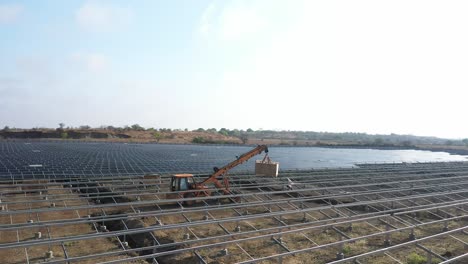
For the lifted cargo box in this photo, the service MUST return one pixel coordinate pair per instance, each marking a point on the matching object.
(269, 168)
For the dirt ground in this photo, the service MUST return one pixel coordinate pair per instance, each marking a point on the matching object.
(37, 254)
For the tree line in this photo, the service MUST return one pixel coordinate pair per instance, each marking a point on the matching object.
(244, 135)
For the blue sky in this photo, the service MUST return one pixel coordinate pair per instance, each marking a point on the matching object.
(360, 66)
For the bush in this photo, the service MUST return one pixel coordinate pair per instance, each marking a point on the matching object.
(202, 140)
(414, 258)
(407, 143)
(198, 140)
(346, 250)
(64, 135)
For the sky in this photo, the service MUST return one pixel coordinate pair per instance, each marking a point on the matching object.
(378, 67)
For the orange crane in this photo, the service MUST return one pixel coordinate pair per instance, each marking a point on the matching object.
(186, 186)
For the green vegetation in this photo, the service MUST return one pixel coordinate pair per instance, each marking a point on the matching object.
(137, 127)
(379, 141)
(465, 141)
(198, 140)
(64, 135)
(224, 132)
(414, 258)
(202, 140)
(346, 250)
(70, 244)
(158, 136)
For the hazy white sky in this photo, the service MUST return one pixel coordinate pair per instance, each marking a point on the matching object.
(358, 66)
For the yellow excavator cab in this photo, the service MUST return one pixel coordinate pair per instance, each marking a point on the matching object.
(181, 182)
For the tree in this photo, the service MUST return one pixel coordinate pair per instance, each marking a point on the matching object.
(250, 130)
(85, 127)
(465, 141)
(223, 131)
(137, 127)
(235, 133)
(378, 141)
(158, 136)
(6, 128)
(244, 138)
(61, 126)
(200, 130)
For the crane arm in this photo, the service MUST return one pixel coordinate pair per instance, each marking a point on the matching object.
(241, 159)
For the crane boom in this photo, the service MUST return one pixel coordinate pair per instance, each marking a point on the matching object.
(241, 159)
(183, 185)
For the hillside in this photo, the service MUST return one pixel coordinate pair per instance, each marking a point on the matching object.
(225, 136)
(178, 137)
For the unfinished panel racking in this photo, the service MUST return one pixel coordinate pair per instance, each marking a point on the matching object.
(374, 213)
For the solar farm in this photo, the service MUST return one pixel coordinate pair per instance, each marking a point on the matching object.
(107, 203)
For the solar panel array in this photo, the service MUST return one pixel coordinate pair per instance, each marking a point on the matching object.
(55, 159)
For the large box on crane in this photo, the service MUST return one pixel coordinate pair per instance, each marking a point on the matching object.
(268, 168)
